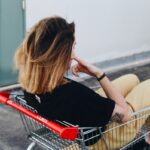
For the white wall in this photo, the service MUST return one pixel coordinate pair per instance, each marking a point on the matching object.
(104, 28)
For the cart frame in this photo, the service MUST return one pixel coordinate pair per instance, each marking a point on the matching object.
(57, 134)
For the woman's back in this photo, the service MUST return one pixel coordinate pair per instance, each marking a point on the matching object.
(73, 102)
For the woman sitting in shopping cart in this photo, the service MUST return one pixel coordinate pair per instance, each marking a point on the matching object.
(43, 59)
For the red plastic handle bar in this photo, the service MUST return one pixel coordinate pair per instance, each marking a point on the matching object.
(69, 133)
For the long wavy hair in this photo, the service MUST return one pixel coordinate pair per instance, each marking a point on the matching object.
(44, 55)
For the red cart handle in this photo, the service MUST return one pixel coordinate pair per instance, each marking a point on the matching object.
(4, 96)
(69, 133)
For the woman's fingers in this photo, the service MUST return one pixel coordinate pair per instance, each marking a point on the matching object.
(85, 67)
(75, 70)
(79, 60)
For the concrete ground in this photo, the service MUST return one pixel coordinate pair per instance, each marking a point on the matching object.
(12, 134)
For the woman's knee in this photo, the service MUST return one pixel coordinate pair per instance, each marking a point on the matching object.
(145, 82)
(124, 84)
(135, 78)
(144, 85)
(140, 95)
(132, 78)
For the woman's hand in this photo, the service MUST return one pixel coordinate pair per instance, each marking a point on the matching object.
(83, 66)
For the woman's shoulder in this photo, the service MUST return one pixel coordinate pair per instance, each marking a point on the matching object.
(75, 84)
(70, 87)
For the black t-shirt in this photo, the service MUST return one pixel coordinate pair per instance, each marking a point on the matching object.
(74, 103)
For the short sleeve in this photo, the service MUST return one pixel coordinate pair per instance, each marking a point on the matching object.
(96, 110)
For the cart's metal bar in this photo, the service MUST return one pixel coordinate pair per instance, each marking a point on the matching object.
(64, 132)
(49, 139)
(140, 111)
(10, 87)
(134, 141)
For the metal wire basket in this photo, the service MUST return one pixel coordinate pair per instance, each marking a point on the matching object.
(61, 135)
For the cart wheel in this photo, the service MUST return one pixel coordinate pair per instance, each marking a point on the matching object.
(31, 146)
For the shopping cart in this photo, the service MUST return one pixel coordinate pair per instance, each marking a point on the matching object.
(61, 135)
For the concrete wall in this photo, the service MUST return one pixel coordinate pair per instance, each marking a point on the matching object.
(104, 29)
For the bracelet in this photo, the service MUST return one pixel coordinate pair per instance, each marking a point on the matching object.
(101, 77)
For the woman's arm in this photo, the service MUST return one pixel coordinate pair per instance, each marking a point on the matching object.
(121, 112)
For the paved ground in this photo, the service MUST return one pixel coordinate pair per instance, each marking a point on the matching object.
(12, 134)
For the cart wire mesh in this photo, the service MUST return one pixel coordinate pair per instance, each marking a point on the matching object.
(113, 137)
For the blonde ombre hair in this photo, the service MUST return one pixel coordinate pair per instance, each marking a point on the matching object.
(44, 55)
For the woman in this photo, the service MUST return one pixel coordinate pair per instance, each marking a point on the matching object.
(43, 59)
